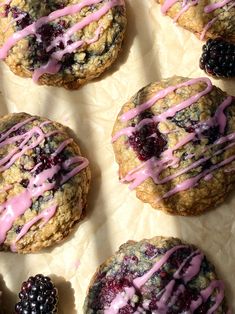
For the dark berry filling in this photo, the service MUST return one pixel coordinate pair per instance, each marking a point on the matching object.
(46, 161)
(218, 58)
(152, 251)
(68, 61)
(38, 45)
(128, 309)
(190, 126)
(18, 229)
(49, 32)
(185, 123)
(212, 134)
(25, 183)
(147, 142)
(207, 165)
(20, 131)
(17, 13)
(107, 290)
(6, 10)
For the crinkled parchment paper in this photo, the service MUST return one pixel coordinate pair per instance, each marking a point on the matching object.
(154, 48)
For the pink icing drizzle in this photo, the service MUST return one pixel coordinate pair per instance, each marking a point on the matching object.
(185, 8)
(168, 4)
(74, 160)
(38, 185)
(32, 29)
(207, 9)
(210, 23)
(153, 167)
(213, 6)
(53, 66)
(45, 215)
(20, 17)
(162, 94)
(190, 183)
(207, 27)
(167, 296)
(216, 284)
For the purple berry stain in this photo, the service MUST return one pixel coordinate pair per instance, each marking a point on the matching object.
(147, 142)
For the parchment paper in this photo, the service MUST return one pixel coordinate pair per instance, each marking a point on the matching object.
(154, 48)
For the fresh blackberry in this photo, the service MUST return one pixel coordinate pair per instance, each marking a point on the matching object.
(38, 295)
(218, 58)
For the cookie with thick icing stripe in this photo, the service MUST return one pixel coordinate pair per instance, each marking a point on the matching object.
(44, 182)
(160, 275)
(174, 142)
(61, 43)
(205, 18)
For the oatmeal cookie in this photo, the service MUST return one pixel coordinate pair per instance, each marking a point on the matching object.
(44, 182)
(205, 18)
(61, 42)
(174, 142)
(160, 275)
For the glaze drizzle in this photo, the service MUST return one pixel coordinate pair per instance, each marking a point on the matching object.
(153, 167)
(168, 296)
(186, 5)
(53, 66)
(39, 183)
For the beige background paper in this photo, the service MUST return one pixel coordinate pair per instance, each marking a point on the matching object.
(154, 48)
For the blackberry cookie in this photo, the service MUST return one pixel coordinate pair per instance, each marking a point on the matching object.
(160, 275)
(44, 182)
(174, 142)
(205, 18)
(61, 42)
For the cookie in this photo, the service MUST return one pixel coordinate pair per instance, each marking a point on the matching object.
(44, 182)
(206, 19)
(174, 143)
(160, 275)
(61, 43)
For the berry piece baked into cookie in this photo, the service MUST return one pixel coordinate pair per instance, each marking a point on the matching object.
(160, 275)
(38, 295)
(205, 18)
(61, 43)
(174, 142)
(44, 182)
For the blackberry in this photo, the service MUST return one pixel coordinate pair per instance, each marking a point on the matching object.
(22, 22)
(38, 295)
(147, 142)
(218, 58)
